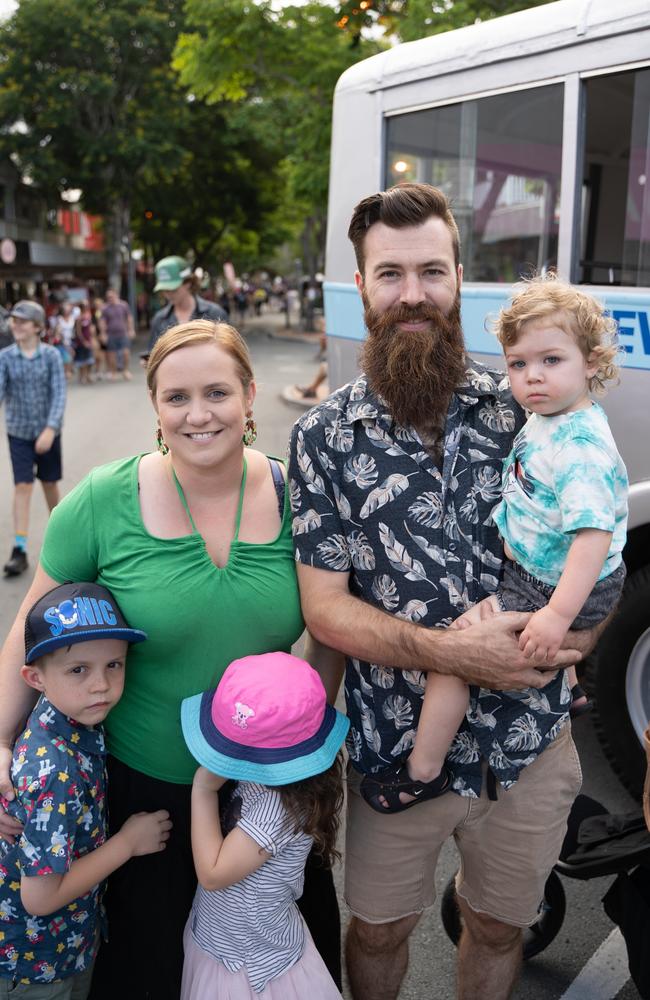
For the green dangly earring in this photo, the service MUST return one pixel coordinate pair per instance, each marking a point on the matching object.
(250, 432)
(160, 442)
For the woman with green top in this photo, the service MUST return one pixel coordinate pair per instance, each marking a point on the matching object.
(194, 541)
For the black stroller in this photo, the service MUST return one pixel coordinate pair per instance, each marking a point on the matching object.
(597, 843)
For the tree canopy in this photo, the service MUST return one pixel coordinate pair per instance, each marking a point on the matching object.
(285, 63)
(201, 126)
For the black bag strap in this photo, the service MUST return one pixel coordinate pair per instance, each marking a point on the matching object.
(279, 483)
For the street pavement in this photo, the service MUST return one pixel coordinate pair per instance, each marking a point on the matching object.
(111, 420)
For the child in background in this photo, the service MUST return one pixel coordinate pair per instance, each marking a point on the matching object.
(562, 518)
(85, 339)
(51, 879)
(33, 383)
(268, 727)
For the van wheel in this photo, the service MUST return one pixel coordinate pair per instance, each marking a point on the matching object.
(618, 680)
(537, 937)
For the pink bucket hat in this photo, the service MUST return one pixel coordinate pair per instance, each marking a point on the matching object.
(267, 721)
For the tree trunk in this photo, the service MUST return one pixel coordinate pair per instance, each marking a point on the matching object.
(117, 228)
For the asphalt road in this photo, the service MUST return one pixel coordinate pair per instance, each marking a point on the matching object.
(111, 420)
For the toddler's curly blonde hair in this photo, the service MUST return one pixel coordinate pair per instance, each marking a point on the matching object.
(580, 316)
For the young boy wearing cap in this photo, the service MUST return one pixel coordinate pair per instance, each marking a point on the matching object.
(51, 879)
(32, 382)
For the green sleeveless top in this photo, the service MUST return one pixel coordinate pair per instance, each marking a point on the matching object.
(198, 617)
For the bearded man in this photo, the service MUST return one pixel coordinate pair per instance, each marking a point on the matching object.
(393, 479)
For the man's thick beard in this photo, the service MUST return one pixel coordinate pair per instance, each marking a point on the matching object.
(415, 371)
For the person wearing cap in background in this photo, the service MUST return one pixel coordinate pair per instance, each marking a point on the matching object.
(32, 381)
(76, 642)
(177, 282)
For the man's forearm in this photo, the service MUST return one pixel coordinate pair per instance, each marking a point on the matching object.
(487, 654)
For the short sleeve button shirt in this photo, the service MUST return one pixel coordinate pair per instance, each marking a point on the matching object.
(58, 773)
(418, 542)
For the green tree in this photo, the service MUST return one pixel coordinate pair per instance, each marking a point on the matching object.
(220, 199)
(408, 20)
(284, 64)
(89, 84)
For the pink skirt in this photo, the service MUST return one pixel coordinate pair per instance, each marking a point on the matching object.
(205, 978)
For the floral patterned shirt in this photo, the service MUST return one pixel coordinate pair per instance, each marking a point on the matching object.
(59, 776)
(418, 541)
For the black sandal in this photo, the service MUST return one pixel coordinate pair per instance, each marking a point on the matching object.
(395, 779)
(575, 711)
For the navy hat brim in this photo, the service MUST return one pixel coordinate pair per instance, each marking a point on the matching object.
(268, 766)
(130, 635)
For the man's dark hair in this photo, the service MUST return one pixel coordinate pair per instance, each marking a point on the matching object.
(404, 205)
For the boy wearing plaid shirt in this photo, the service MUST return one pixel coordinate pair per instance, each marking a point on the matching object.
(32, 382)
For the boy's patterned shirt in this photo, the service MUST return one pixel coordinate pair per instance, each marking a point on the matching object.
(59, 777)
(419, 542)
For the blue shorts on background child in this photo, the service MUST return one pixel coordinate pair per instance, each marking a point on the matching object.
(267, 727)
(76, 641)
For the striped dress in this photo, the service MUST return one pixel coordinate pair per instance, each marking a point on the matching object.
(254, 926)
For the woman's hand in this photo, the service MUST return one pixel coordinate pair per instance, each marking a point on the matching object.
(10, 828)
(207, 781)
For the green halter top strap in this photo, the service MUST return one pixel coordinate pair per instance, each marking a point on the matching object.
(240, 504)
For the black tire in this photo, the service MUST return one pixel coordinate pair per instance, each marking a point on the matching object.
(618, 681)
(537, 937)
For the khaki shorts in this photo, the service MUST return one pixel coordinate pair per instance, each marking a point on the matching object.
(507, 848)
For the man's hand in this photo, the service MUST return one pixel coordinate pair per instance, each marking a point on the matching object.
(544, 634)
(44, 441)
(488, 654)
(207, 781)
(478, 613)
(146, 833)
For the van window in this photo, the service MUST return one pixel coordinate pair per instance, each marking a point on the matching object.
(498, 160)
(615, 231)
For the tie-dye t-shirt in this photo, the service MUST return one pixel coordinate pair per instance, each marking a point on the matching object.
(564, 473)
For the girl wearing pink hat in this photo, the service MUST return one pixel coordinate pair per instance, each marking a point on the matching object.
(268, 727)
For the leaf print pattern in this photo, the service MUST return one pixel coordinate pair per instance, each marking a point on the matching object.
(384, 590)
(424, 551)
(362, 470)
(360, 551)
(427, 510)
(498, 416)
(383, 677)
(399, 557)
(414, 611)
(381, 439)
(433, 551)
(342, 504)
(339, 438)
(404, 744)
(314, 482)
(334, 553)
(391, 487)
(294, 496)
(306, 522)
(464, 748)
(523, 734)
(398, 709)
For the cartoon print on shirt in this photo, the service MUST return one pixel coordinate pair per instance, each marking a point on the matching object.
(44, 811)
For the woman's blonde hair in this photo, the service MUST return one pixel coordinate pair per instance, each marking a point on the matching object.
(201, 331)
(579, 315)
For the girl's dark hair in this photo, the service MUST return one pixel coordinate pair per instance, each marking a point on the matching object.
(315, 805)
